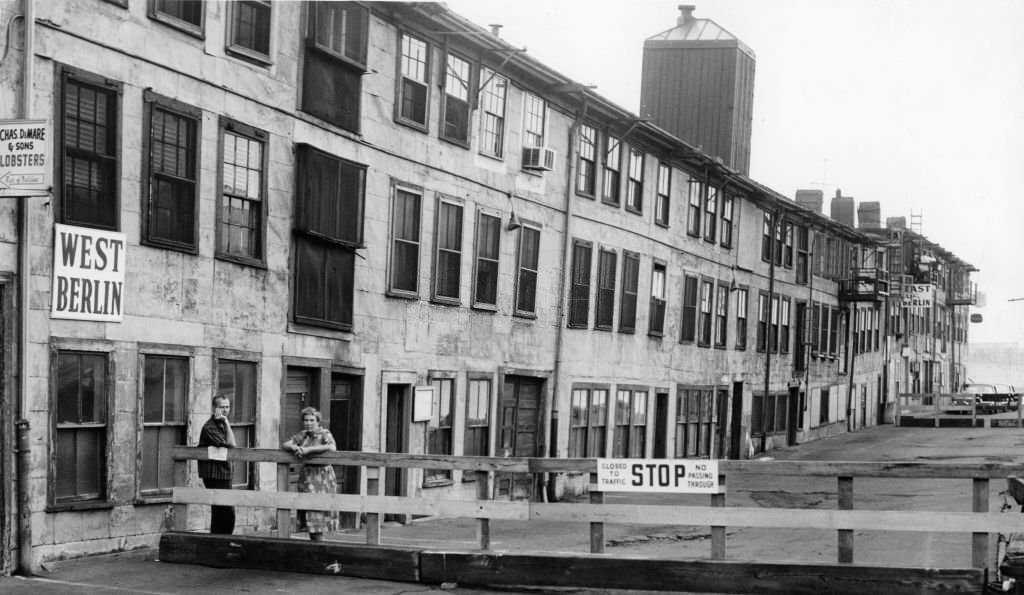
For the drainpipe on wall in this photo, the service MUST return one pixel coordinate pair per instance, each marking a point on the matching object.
(851, 352)
(25, 562)
(776, 223)
(570, 168)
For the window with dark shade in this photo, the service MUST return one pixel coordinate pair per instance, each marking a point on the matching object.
(448, 251)
(694, 206)
(458, 81)
(186, 15)
(629, 438)
(405, 241)
(635, 188)
(165, 398)
(726, 215)
(478, 420)
(414, 66)
(612, 170)
(80, 432)
(586, 168)
(710, 213)
(741, 318)
(488, 244)
(704, 321)
(689, 322)
(630, 290)
(89, 160)
(171, 168)
(587, 422)
(579, 288)
(721, 314)
(606, 263)
(334, 62)
(662, 201)
(249, 30)
(526, 278)
(656, 323)
(439, 428)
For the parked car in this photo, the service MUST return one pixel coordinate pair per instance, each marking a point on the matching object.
(965, 400)
(1012, 397)
(990, 400)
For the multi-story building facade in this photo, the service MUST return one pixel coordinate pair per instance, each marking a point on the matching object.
(384, 211)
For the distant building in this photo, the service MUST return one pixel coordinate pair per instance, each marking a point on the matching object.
(345, 204)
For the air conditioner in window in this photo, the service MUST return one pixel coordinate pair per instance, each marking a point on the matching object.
(539, 158)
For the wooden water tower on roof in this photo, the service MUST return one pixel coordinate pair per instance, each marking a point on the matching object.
(698, 83)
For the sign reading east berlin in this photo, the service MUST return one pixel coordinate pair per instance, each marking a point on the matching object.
(686, 476)
(88, 274)
(918, 296)
(24, 147)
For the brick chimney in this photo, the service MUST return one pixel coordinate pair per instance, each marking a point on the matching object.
(842, 209)
(685, 14)
(811, 199)
(895, 222)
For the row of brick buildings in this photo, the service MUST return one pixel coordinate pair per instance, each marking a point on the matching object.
(357, 206)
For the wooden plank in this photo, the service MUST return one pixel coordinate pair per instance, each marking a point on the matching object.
(893, 469)
(374, 521)
(291, 555)
(718, 531)
(596, 528)
(845, 536)
(793, 518)
(483, 525)
(979, 539)
(358, 458)
(284, 515)
(493, 509)
(180, 511)
(704, 576)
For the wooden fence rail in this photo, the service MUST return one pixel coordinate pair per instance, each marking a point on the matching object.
(979, 522)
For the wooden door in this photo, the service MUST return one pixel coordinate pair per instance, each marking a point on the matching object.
(346, 426)
(661, 423)
(518, 414)
(396, 439)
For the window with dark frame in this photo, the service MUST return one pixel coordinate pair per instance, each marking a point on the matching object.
(762, 321)
(767, 230)
(586, 168)
(780, 233)
(236, 379)
(492, 113)
(455, 112)
(448, 251)
(414, 81)
(705, 315)
(721, 314)
(186, 15)
(478, 421)
(334, 62)
(405, 241)
(741, 318)
(249, 32)
(662, 201)
(787, 249)
(587, 422)
(80, 432)
(823, 406)
(629, 438)
(800, 347)
(327, 230)
(607, 260)
(488, 244)
(784, 322)
(726, 215)
(527, 267)
(656, 326)
(695, 190)
(439, 429)
(579, 288)
(612, 188)
(773, 327)
(165, 397)
(802, 254)
(691, 288)
(171, 170)
(635, 186)
(243, 188)
(90, 156)
(710, 213)
(630, 291)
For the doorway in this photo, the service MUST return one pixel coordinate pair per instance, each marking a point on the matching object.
(793, 415)
(518, 412)
(396, 439)
(735, 422)
(346, 425)
(661, 423)
(300, 391)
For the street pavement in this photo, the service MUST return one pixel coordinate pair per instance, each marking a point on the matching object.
(140, 572)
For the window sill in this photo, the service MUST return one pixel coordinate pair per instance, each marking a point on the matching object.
(190, 250)
(606, 329)
(413, 124)
(246, 55)
(525, 315)
(492, 308)
(662, 224)
(610, 203)
(585, 195)
(634, 210)
(656, 335)
(627, 331)
(438, 483)
(175, 23)
(500, 158)
(241, 260)
(464, 144)
(401, 295)
(145, 499)
(446, 301)
(314, 331)
(83, 505)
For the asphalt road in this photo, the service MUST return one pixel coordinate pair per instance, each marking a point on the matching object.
(138, 572)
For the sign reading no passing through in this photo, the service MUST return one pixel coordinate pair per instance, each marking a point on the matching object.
(683, 476)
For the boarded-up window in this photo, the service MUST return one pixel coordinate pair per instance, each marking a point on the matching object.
(606, 262)
(630, 289)
(579, 291)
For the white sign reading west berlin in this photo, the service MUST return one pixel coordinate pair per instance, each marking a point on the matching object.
(24, 151)
(685, 476)
(88, 274)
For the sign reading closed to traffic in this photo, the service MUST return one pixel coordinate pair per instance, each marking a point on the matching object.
(24, 150)
(88, 274)
(685, 476)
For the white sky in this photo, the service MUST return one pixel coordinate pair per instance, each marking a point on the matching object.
(918, 104)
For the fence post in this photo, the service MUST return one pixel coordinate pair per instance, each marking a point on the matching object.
(596, 529)
(979, 541)
(845, 535)
(284, 515)
(373, 519)
(180, 511)
(483, 525)
(717, 532)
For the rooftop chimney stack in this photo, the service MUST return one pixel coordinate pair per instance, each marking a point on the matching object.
(685, 14)
(896, 223)
(495, 29)
(811, 199)
(842, 209)
(869, 215)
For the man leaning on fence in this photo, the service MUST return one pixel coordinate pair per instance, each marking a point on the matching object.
(216, 475)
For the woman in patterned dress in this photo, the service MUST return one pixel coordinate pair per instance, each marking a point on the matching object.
(315, 479)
